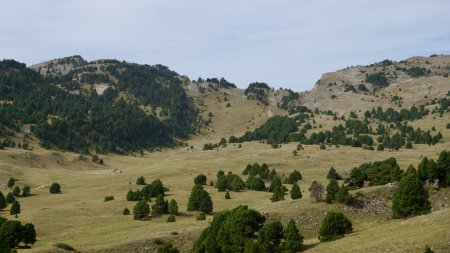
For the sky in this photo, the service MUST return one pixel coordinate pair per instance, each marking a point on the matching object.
(285, 43)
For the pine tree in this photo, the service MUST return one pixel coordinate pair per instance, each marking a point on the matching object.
(10, 198)
(200, 179)
(332, 189)
(141, 210)
(278, 194)
(126, 211)
(141, 181)
(161, 206)
(28, 234)
(26, 191)
(295, 192)
(2, 201)
(200, 200)
(227, 195)
(173, 207)
(270, 235)
(334, 226)
(11, 182)
(15, 208)
(293, 240)
(410, 197)
(332, 174)
(343, 196)
(171, 218)
(427, 249)
(55, 188)
(16, 191)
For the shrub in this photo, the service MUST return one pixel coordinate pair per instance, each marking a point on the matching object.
(55, 188)
(10, 198)
(332, 174)
(126, 211)
(255, 183)
(293, 240)
(161, 206)
(201, 216)
(166, 247)
(173, 207)
(200, 200)
(109, 198)
(141, 181)
(11, 182)
(294, 177)
(335, 225)
(227, 195)
(16, 191)
(15, 208)
(26, 191)
(296, 193)
(171, 218)
(141, 210)
(3, 202)
(200, 179)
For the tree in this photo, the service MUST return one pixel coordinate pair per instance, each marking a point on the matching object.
(294, 177)
(296, 193)
(343, 196)
(15, 208)
(278, 193)
(141, 181)
(171, 218)
(173, 207)
(161, 206)
(255, 183)
(276, 182)
(11, 233)
(293, 240)
(316, 190)
(11, 182)
(26, 191)
(201, 216)
(270, 235)
(200, 200)
(141, 210)
(2, 201)
(200, 179)
(126, 211)
(10, 198)
(332, 189)
(427, 249)
(332, 174)
(28, 234)
(55, 188)
(410, 197)
(16, 191)
(334, 226)
(227, 195)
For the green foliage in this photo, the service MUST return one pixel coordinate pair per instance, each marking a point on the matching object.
(427, 249)
(227, 195)
(278, 193)
(11, 233)
(55, 188)
(293, 240)
(377, 173)
(141, 210)
(109, 198)
(270, 236)
(201, 216)
(296, 193)
(173, 207)
(26, 191)
(167, 247)
(256, 169)
(161, 206)
(332, 189)
(378, 79)
(126, 211)
(230, 182)
(11, 182)
(171, 218)
(294, 177)
(3, 202)
(28, 234)
(255, 183)
(275, 130)
(257, 91)
(410, 197)
(230, 231)
(16, 191)
(10, 198)
(334, 226)
(199, 200)
(332, 174)
(416, 71)
(154, 189)
(443, 166)
(134, 196)
(343, 196)
(200, 179)
(141, 181)
(288, 100)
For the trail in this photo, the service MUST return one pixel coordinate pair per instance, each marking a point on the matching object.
(39, 187)
(272, 104)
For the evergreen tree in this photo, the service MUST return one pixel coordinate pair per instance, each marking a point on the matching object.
(255, 183)
(10, 198)
(173, 207)
(227, 195)
(141, 210)
(332, 174)
(161, 206)
(2, 201)
(410, 197)
(16, 191)
(11, 233)
(15, 208)
(334, 226)
(200, 200)
(126, 211)
(270, 235)
(294, 177)
(427, 249)
(26, 191)
(201, 216)
(141, 181)
(278, 194)
(343, 196)
(200, 179)
(171, 218)
(11, 182)
(296, 193)
(332, 189)
(276, 182)
(28, 234)
(55, 188)
(293, 240)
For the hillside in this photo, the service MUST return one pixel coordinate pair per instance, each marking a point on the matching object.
(131, 120)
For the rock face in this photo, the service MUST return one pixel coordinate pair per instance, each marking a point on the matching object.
(59, 66)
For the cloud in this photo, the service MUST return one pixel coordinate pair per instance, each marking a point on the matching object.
(285, 43)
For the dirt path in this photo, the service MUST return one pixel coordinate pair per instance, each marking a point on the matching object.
(272, 104)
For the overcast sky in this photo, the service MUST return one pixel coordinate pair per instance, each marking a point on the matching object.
(286, 43)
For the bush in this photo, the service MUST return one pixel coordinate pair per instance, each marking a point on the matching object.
(200, 200)
(3, 202)
(11, 182)
(16, 191)
(161, 206)
(171, 218)
(201, 216)
(200, 179)
(64, 246)
(10, 198)
(173, 207)
(294, 177)
(227, 195)
(141, 210)
(255, 183)
(296, 193)
(141, 181)
(332, 174)
(15, 208)
(334, 226)
(55, 188)
(166, 247)
(26, 191)
(126, 211)
(109, 198)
